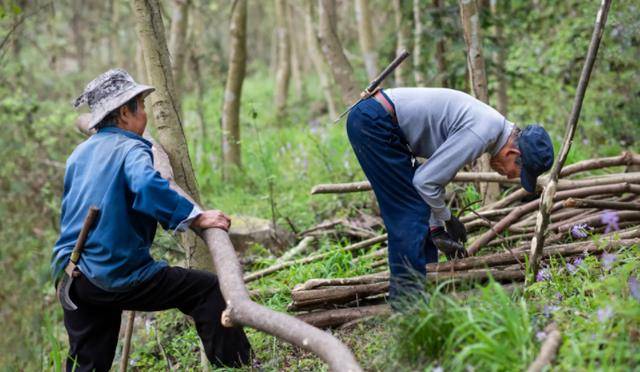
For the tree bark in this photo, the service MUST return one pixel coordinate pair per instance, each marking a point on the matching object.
(418, 76)
(336, 317)
(178, 45)
(165, 112)
(296, 55)
(315, 54)
(441, 48)
(231, 155)
(542, 220)
(470, 18)
(283, 64)
(502, 101)
(365, 37)
(402, 38)
(332, 50)
(600, 204)
(548, 350)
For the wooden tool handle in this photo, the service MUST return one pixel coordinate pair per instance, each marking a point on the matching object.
(383, 75)
(88, 221)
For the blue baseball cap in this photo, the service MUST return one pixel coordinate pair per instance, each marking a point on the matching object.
(536, 152)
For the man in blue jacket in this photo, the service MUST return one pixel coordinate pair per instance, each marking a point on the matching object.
(450, 129)
(113, 170)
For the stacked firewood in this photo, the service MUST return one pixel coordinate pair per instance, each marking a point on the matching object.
(608, 204)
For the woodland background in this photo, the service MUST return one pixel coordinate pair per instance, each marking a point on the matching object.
(284, 142)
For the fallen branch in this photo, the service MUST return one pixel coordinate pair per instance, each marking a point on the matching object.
(548, 350)
(304, 244)
(335, 317)
(597, 220)
(600, 204)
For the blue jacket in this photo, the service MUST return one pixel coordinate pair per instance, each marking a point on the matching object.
(113, 170)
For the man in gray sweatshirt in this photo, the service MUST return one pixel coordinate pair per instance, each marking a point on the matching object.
(450, 129)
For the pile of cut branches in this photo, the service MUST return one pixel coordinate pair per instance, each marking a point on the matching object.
(591, 199)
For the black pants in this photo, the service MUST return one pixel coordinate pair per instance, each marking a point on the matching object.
(93, 328)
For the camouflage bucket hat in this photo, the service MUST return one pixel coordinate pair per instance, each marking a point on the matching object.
(109, 91)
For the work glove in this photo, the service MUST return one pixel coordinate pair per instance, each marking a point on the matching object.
(456, 229)
(451, 248)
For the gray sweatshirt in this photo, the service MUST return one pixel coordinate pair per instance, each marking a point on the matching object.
(450, 129)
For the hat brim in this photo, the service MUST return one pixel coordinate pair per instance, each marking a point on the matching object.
(528, 181)
(99, 113)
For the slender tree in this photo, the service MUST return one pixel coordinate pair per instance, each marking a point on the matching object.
(418, 76)
(233, 89)
(441, 48)
(475, 61)
(402, 37)
(332, 50)
(498, 60)
(365, 37)
(296, 55)
(178, 45)
(283, 63)
(317, 60)
(165, 113)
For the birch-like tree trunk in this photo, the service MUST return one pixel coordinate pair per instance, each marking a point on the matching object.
(402, 37)
(166, 115)
(475, 61)
(498, 60)
(317, 60)
(332, 49)
(441, 48)
(418, 76)
(233, 89)
(283, 64)
(78, 34)
(178, 44)
(365, 37)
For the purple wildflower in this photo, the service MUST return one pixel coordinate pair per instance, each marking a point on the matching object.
(607, 260)
(559, 296)
(579, 231)
(577, 261)
(605, 314)
(610, 218)
(541, 335)
(542, 275)
(571, 268)
(634, 287)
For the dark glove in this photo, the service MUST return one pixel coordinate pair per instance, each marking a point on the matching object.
(456, 229)
(443, 241)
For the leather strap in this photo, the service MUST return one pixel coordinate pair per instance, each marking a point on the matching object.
(388, 107)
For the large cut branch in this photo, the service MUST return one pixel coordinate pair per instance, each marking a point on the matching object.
(600, 204)
(323, 319)
(240, 309)
(542, 220)
(548, 350)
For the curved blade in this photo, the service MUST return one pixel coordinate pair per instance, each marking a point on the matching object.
(63, 293)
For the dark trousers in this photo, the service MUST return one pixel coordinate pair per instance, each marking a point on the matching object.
(93, 328)
(387, 162)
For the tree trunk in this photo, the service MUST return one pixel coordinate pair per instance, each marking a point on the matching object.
(475, 61)
(78, 34)
(441, 48)
(233, 89)
(296, 55)
(332, 50)
(178, 45)
(318, 61)
(418, 76)
(402, 34)
(166, 116)
(283, 67)
(498, 60)
(365, 37)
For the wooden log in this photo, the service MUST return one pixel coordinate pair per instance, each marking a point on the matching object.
(548, 350)
(521, 255)
(525, 208)
(596, 220)
(301, 247)
(335, 317)
(362, 279)
(126, 344)
(382, 252)
(600, 204)
(626, 158)
(275, 268)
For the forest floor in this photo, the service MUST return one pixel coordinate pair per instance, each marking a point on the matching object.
(595, 302)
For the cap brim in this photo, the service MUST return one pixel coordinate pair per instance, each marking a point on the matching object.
(98, 115)
(528, 181)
